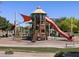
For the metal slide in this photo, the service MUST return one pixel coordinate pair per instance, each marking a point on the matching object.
(54, 25)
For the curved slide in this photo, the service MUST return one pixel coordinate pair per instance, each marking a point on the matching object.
(58, 29)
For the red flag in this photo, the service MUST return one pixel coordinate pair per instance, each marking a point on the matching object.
(26, 18)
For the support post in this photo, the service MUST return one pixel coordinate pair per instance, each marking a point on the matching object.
(49, 30)
(71, 26)
(33, 32)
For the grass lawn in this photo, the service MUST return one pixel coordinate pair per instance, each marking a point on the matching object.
(38, 49)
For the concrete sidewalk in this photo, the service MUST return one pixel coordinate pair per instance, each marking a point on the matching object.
(26, 54)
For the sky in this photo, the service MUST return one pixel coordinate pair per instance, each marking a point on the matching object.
(54, 9)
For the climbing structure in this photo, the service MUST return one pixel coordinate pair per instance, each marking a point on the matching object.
(39, 25)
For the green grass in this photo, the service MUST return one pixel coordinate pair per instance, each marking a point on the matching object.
(38, 49)
(70, 49)
(30, 49)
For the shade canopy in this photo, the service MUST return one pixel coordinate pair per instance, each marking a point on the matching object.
(39, 10)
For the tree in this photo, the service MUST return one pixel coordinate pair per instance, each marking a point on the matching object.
(4, 24)
(68, 24)
(62, 23)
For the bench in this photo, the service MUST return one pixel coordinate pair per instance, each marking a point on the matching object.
(70, 45)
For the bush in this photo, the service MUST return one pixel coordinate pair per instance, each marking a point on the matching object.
(9, 51)
(59, 54)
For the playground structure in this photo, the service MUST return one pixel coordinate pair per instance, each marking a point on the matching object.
(39, 30)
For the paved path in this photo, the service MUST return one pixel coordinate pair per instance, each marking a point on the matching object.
(26, 54)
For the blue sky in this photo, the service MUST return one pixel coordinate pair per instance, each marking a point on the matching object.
(53, 9)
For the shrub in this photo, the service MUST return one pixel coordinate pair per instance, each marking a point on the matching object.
(59, 54)
(9, 51)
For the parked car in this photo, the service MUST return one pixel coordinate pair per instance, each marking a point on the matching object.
(67, 54)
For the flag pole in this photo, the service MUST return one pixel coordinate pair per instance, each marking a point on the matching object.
(15, 27)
